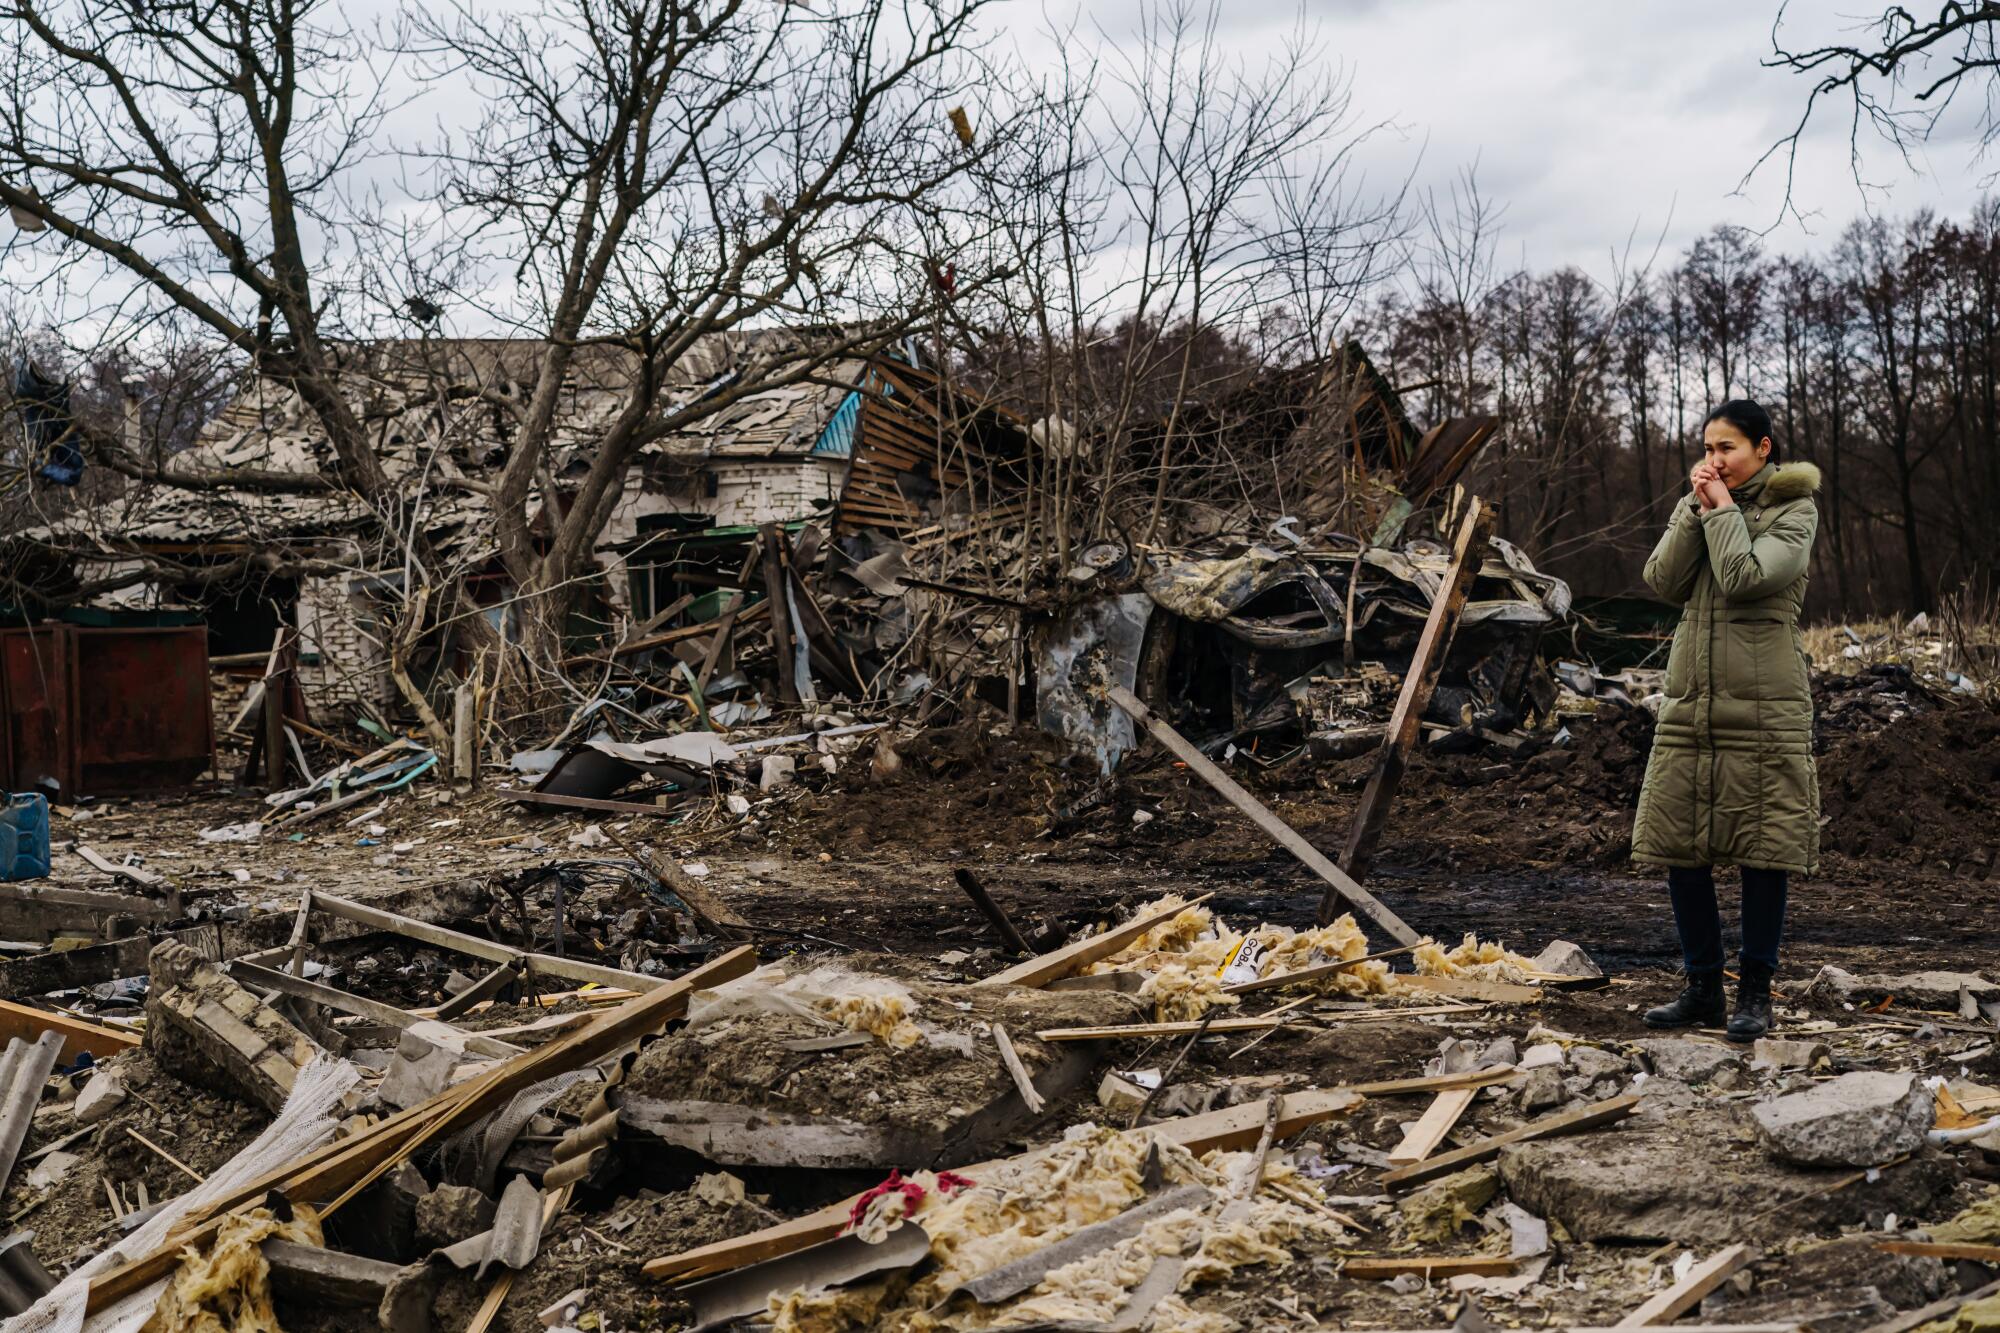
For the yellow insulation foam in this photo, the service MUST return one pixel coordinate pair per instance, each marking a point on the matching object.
(228, 1290)
(1017, 1208)
(885, 1017)
(1184, 956)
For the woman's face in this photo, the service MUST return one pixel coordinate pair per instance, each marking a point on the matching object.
(1735, 456)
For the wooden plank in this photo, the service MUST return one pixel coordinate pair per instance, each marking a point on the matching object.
(1595, 1115)
(775, 589)
(144, 879)
(573, 969)
(1338, 883)
(1421, 1139)
(28, 1023)
(1684, 1295)
(1017, 1071)
(1125, 1031)
(1419, 681)
(1044, 968)
(1472, 988)
(1381, 1270)
(1979, 1254)
(435, 1031)
(1228, 1130)
(717, 916)
(724, 629)
(556, 800)
(344, 1166)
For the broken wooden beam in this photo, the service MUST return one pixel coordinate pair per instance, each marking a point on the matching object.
(1382, 1270)
(573, 969)
(1023, 1083)
(776, 597)
(133, 875)
(20, 1020)
(710, 912)
(1339, 883)
(1175, 1028)
(1419, 682)
(1593, 1116)
(1041, 970)
(341, 1168)
(1937, 1249)
(435, 1031)
(1685, 1294)
(995, 917)
(602, 804)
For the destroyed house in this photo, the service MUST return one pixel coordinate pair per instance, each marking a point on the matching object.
(871, 441)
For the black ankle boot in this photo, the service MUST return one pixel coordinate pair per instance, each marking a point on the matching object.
(1699, 1006)
(1752, 1018)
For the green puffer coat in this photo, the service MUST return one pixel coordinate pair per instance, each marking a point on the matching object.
(1731, 780)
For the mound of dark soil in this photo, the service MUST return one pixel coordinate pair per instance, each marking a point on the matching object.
(1919, 790)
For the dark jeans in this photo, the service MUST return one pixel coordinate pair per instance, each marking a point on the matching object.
(1693, 892)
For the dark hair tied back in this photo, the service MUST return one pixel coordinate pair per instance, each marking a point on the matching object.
(1749, 418)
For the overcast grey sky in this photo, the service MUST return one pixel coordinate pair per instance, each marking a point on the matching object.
(1593, 120)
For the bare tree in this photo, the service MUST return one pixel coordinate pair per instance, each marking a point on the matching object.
(644, 177)
(1898, 76)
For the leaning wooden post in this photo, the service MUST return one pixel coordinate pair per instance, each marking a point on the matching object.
(1338, 885)
(775, 591)
(1419, 682)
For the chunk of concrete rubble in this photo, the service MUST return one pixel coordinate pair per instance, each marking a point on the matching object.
(1548, 1053)
(1790, 1053)
(48, 1173)
(1567, 960)
(100, 1097)
(1541, 1089)
(1914, 990)
(205, 1027)
(451, 1213)
(1457, 1055)
(1120, 1095)
(1592, 1063)
(1860, 1119)
(1669, 1178)
(1691, 1060)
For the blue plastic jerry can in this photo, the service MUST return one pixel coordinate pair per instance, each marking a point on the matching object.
(24, 837)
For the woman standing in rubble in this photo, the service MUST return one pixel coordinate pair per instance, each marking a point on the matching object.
(1731, 778)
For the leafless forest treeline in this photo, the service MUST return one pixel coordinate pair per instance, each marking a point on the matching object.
(1879, 359)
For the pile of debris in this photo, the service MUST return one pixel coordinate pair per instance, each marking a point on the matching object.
(1169, 1121)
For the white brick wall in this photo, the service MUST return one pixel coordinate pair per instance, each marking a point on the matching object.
(340, 626)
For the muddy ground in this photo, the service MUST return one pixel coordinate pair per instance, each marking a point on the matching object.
(1524, 846)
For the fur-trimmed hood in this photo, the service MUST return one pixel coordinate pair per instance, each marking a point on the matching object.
(1791, 481)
